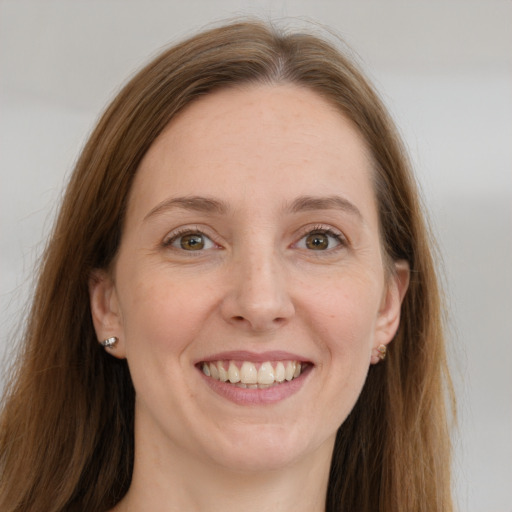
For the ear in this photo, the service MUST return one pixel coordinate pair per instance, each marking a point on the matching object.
(106, 315)
(389, 313)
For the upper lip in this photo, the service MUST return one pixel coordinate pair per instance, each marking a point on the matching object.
(254, 357)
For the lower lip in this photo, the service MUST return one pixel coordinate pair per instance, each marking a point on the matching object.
(245, 396)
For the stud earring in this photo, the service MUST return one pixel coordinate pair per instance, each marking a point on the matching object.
(382, 350)
(109, 342)
(378, 354)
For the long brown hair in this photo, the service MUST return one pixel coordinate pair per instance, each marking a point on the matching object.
(66, 438)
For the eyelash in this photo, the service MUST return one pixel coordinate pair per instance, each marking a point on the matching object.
(320, 230)
(176, 235)
(323, 230)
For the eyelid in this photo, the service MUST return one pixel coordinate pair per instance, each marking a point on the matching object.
(177, 233)
(324, 229)
(329, 230)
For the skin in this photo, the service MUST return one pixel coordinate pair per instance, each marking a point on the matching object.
(258, 284)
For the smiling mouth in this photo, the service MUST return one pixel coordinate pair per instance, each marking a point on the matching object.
(246, 374)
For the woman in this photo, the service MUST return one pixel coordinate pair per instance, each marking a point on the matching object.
(243, 238)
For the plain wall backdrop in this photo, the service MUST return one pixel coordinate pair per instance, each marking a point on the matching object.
(443, 68)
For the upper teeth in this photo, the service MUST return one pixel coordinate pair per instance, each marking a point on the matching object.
(248, 374)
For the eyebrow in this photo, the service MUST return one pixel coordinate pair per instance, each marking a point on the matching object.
(191, 203)
(333, 202)
(210, 205)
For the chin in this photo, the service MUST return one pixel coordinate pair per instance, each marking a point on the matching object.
(264, 449)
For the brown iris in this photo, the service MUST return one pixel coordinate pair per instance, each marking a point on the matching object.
(317, 241)
(192, 242)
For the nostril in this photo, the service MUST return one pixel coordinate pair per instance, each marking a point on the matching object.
(240, 318)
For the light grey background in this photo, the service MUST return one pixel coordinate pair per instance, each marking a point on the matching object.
(444, 69)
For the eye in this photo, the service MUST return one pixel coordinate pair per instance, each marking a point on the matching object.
(321, 240)
(190, 241)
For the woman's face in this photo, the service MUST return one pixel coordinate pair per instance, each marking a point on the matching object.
(250, 254)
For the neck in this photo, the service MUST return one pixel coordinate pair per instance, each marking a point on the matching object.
(185, 483)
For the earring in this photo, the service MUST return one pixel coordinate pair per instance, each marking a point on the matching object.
(378, 354)
(109, 342)
(382, 349)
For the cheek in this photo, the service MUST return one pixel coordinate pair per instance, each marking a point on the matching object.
(161, 320)
(345, 323)
(347, 314)
(160, 315)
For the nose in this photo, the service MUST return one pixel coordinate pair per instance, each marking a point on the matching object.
(258, 298)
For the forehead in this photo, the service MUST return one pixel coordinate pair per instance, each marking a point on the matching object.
(246, 141)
